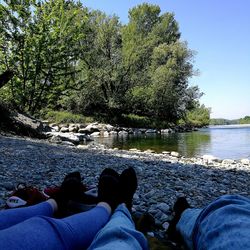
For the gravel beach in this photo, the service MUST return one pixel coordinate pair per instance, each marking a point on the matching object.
(162, 177)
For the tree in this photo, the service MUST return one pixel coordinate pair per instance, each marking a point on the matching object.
(40, 41)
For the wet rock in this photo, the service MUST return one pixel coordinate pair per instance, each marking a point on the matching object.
(96, 134)
(174, 154)
(64, 129)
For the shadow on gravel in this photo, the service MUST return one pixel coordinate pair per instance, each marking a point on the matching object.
(41, 164)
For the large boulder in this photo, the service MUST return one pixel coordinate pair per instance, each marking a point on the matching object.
(21, 124)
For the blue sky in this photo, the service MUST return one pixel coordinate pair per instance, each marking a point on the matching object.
(218, 30)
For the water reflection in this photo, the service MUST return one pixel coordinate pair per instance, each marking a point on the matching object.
(223, 142)
(188, 144)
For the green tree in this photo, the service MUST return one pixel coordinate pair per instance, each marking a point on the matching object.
(40, 41)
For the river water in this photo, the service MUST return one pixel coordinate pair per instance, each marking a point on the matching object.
(232, 141)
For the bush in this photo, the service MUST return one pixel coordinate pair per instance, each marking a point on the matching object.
(66, 117)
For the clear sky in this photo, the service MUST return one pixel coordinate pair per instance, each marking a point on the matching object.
(219, 31)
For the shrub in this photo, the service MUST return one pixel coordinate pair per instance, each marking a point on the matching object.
(66, 117)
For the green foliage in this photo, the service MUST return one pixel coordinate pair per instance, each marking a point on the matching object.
(198, 117)
(66, 117)
(245, 120)
(41, 42)
(66, 57)
(222, 121)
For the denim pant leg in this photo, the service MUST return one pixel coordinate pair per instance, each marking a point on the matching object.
(224, 224)
(10, 217)
(186, 225)
(46, 233)
(120, 233)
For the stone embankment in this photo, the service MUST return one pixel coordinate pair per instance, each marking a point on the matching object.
(74, 134)
(162, 177)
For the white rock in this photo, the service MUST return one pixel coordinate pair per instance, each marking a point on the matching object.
(109, 127)
(95, 134)
(209, 158)
(55, 128)
(165, 131)
(175, 154)
(228, 161)
(245, 161)
(150, 131)
(105, 134)
(83, 146)
(165, 152)
(68, 143)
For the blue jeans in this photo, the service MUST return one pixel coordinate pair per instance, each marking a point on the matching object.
(33, 228)
(223, 224)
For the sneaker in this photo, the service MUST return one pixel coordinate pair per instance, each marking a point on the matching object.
(128, 186)
(25, 196)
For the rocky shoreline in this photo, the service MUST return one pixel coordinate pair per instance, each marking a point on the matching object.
(162, 177)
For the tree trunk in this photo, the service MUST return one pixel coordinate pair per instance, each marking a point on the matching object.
(5, 77)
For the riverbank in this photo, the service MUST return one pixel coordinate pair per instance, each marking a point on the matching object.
(162, 177)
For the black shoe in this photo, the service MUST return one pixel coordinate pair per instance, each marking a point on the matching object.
(180, 206)
(71, 189)
(108, 187)
(128, 186)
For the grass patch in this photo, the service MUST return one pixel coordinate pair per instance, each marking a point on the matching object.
(66, 117)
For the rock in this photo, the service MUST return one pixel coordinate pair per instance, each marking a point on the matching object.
(174, 154)
(105, 134)
(209, 158)
(113, 133)
(133, 150)
(149, 151)
(74, 138)
(163, 207)
(123, 133)
(55, 139)
(8, 186)
(68, 143)
(64, 130)
(151, 131)
(109, 127)
(164, 131)
(83, 146)
(92, 128)
(142, 130)
(150, 194)
(96, 134)
(228, 161)
(55, 128)
(165, 226)
(73, 128)
(245, 161)
(165, 152)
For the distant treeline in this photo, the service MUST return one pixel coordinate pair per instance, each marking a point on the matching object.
(66, 57)
(221, 121)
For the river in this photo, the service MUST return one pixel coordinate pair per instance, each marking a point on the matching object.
(231, 141)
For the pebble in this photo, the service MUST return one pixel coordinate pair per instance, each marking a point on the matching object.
(161, 177)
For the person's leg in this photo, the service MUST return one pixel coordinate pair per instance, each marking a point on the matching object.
(186, 225)
(74, 232)
(120, 233)
(224, 224)
(10, 217)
